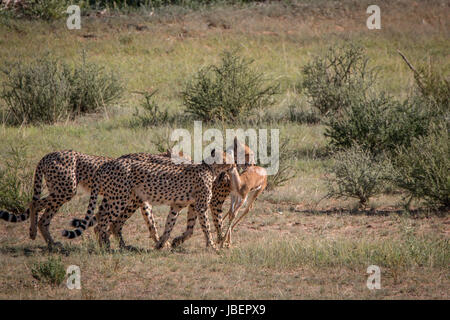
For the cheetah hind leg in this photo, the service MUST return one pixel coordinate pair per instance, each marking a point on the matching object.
(44, 223)
(117, 225)
(37, 206)
(101, 229)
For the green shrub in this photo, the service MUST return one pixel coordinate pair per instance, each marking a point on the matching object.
(152, 115)
(379, 124)
(433, 85)
(47, 90)
(92, 87)
(39, 9)
(423, 169)
(51, 271)
(38, 92)
(356, 173)
(336, 79)
(16, 177)
(229, 91)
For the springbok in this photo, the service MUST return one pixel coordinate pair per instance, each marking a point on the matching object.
(244, 188)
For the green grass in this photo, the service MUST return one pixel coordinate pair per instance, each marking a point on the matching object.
(292, 253)
(51, 271)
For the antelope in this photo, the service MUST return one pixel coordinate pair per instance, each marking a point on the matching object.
(245, 188)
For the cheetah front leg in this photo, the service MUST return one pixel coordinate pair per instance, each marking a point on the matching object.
(170, 223)
(111, 210)
(191, 218)
(216, 206)
(102, 226)
(147, 214)
(116, 225)
(200, 211)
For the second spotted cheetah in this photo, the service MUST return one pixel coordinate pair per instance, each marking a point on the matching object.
(177, 185)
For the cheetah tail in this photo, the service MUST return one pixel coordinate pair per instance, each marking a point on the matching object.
(88, 219)
(11, 217)
(77, 222)
(37, 189)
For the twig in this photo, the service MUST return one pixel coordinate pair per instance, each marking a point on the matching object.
(418, 75)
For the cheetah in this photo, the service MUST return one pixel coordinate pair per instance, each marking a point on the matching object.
(220, 192)
(63, 171)
(178, 185)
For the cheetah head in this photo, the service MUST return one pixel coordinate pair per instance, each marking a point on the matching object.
(221, 161)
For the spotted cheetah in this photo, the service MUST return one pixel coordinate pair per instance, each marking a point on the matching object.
(63, 171)
(221, 190)
(178, 185)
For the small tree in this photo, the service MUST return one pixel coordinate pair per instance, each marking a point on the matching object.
(357, 174)
(379, 124)
(336, 79)
(229, 91)
(423, 169)
(152, 114)
(432, 83)
(38, 92)
(92, 87)
(47, 90)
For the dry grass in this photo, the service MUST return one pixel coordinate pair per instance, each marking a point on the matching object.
(278, 254)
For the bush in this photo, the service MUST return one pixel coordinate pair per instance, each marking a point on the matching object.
(379, 124)
(36, 92)
(432, 84)
(357, 174)
(16, 187)
(92, 88)
(335, 80)
(422, 170)
(51, 271)
(38, 9)
(227, 92)
(48, 90)
(152, 115)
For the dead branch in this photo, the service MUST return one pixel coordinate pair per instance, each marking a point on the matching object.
(418, 75)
